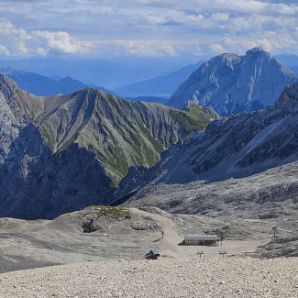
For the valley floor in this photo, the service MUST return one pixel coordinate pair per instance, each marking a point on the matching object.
(40, 243)
(207, 277)
(109, 262)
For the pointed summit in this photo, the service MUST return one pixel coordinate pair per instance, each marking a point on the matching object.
(5, 81)
(7, 86)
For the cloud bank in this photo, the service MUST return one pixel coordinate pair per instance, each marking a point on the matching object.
(102, 28)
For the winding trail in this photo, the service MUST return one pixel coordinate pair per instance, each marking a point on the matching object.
(169, 243)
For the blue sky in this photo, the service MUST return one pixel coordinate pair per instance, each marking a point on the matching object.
(145, 28)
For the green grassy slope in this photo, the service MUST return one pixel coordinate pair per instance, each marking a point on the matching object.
(120, 133)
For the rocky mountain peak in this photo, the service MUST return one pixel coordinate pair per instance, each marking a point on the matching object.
(7, 86)
(227, 59)
(257, 52)
(235, 84)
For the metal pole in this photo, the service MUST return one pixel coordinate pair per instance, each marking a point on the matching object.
(274, 232)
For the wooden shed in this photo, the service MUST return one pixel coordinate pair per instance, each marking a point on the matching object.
(200, 240)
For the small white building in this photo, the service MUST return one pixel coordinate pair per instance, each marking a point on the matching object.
(200, 239)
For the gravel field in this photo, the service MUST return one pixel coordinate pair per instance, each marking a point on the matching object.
(209, 277)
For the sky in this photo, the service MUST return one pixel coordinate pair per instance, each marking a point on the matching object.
(145, 28)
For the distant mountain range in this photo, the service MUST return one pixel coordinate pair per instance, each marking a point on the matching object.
(156, 99)
(63, 153)
(44, 86)
(162, 86)
(111, 73)
(156, 89)
(234, 84)
(288, 59)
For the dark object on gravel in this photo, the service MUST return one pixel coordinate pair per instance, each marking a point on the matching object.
(153, 254)
(88, 225)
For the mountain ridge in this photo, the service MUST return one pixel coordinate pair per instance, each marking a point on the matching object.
(63, 153)
(267, 139)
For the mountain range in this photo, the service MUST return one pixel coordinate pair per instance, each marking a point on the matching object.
(62, 153)
(161, 86)
(235, 84)
(42, 85)
(111, 73)
(244, 163)
(290, 60)
(157, 89)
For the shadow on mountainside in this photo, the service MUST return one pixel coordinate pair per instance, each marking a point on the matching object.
(35, 183)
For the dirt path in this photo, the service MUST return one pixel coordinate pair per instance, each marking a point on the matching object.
(168, 242)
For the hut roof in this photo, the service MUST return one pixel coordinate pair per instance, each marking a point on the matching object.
(201, 238)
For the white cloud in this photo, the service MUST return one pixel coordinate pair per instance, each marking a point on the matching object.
(4, 50)
(42, 51)
(220, 16)
(14, 38)
(60, 41)
(135, 47)
(217, 48)
(265, 44)
(146, 27)
(18, 41)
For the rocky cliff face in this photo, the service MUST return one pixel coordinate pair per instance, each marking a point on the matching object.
(235, 84)
(63, 153)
